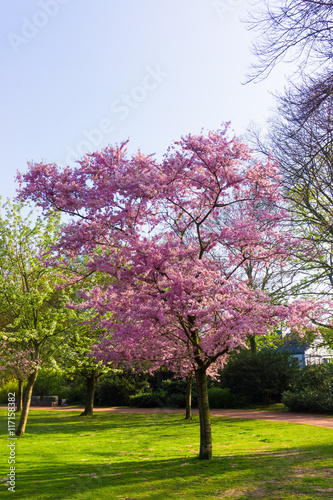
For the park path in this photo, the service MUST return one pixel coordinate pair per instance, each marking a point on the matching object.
(296, 418)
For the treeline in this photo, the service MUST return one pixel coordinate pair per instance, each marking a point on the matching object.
(248, 380)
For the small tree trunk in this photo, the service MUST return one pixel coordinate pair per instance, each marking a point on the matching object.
(189, 397)
(91, 385)
(205, 427)
(19, 395)
(26, 404)
(253, 344)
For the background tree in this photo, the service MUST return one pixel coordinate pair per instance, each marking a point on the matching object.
(297, 30)
(76, 359)
(275, 277)
(176, 297)
(30, 298)
(304, 152)
(300, 135)
(19, 364)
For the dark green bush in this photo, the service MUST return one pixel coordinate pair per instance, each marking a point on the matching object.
(316, 378)
(73, 390)
(313, 391)
(157, 378)
(171, 393)
(6, 387)
(309, 401)
(221, 398)
(261, 377)
(148, 400)
(115, 389)
(175, 392)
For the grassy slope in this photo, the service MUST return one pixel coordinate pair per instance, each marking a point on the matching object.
(123, 456)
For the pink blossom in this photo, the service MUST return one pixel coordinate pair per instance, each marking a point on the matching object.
(172, 237)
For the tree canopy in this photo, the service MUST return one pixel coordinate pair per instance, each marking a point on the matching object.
(33, 304)
(178, 296)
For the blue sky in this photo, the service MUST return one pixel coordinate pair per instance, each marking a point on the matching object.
(80, 74)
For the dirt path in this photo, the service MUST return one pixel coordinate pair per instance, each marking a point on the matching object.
(296, 418)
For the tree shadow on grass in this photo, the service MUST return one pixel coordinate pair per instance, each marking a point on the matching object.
(121, 474)
(74, 423)
(271, 474)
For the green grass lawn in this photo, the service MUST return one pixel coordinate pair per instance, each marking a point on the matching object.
(132, 456)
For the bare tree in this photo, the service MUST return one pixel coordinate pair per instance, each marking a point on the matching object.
(300, 31)
(300, 137)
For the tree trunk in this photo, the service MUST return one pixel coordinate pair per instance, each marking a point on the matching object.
(253, 344)
(26, 403)
(91, 385)
(205, 427)
(189, 397)
(19, 395)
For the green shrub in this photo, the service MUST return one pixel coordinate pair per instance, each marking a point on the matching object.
(175, 390)
(115, 389)
(309, 401)
(148, 400)
(313, 391)
(261, 377)
(75, 391)
(158, 377)
(316, 378)
(171, 393)
(221, 398)
(6, 387)
(59, 385)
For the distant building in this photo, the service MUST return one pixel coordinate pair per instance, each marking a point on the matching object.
(317, 354)
(306, 353)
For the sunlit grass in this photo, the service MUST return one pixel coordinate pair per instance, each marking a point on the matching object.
(133, 456)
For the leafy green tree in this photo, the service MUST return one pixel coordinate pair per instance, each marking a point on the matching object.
(76, 359)
(33, 304)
